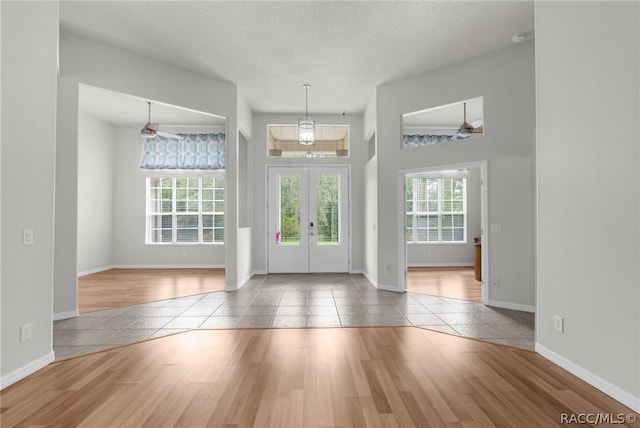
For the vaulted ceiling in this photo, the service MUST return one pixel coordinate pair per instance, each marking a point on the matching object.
(344, 49)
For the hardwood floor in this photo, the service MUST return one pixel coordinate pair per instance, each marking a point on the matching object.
(116, 288)
(346, 377)
(123, 287)
(454, 282)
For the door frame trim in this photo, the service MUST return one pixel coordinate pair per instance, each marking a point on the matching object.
(484, 220)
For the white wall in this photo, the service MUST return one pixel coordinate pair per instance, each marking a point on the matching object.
(85, 61)
(370, 191)
(129, 215)
(587, 68)
(111, 203)
(505, 79)
(95, 193)
(28, 76)
(260, 161)
(453, 254)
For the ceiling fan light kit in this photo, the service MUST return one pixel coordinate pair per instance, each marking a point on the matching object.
(466, 129)
(306, 126)
(151, 130)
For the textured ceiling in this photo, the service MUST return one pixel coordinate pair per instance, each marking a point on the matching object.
(126, 110)
(344, 49)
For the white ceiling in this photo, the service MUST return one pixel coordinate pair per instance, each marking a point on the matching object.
(344, 49)
(451, 115)
(126, 110)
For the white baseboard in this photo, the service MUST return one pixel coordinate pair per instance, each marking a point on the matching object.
(370, 279)
(243, 281)
(509, 305)
(65, 315)
(453, 264)
(386, 287)
(95, 270)
(168, 267)
(102, 269)
(26, 370)
(597, 382)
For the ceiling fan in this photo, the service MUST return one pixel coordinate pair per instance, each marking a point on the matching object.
(150, 130)
(466, 129)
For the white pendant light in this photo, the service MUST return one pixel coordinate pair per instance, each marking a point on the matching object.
(306, 126)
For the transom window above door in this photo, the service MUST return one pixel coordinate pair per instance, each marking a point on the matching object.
(330, 141)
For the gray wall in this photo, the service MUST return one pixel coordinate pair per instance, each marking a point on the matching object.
(370, 191)
(111, 203)
(587, 58)
(506, 81)
(29, 46)
(85, 61)
(453, 254)
(259, 162)
(129, 214)
(95, 193)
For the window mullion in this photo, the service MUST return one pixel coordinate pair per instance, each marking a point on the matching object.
(174, 211)
(440, 182)
(414, 210)
(200, 225)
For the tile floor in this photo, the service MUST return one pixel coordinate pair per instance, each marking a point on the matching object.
(292, 300)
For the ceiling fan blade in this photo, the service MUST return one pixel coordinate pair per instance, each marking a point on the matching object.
(168, 135)
(478, 130)
(477, 123)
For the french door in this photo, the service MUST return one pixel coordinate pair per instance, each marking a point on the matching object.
(308, 224)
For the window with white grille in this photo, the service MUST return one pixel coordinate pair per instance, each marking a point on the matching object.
(185, 210)
(435, 210)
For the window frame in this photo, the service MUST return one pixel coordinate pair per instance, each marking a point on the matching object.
(322, 148)
(439, 213)
(175, 213)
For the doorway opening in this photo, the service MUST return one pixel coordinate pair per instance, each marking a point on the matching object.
(139, 242)
(444, 216)
(308, 219)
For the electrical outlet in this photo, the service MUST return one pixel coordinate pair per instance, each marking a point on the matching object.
(494, 228)
(25, 332)
(558, 323)
(495, 281)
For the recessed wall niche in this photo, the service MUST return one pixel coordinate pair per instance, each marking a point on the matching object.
(458, 121)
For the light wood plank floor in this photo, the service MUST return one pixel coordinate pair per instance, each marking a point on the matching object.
(116, 288)
(454, 282)
(348, 377)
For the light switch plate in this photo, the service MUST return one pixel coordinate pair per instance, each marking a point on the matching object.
(558, 323)
(27, 236)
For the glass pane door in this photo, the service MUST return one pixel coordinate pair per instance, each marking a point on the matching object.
(308, 219)
(287, 231)
(288, 187)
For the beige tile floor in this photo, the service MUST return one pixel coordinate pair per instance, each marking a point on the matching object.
(289, 301)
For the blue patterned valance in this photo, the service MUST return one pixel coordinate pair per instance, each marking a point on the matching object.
(412, 141)
(193, 151)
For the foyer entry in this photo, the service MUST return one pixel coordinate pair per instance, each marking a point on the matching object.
(308, 219)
